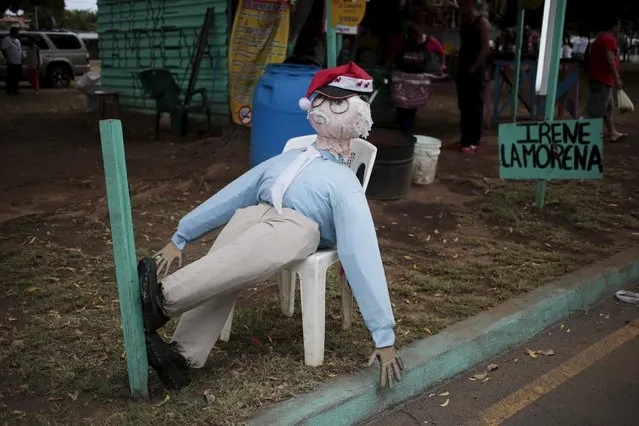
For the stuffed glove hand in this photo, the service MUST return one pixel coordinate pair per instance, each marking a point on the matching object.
(165, 258)
(390, 364)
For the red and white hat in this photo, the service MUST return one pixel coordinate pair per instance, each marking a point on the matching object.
(338, 83)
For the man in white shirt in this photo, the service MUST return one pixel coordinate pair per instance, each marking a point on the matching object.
(12, 52)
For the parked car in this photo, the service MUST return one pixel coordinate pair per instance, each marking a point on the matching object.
(64, 56)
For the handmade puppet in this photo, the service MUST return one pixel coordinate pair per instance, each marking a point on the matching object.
(277, 213)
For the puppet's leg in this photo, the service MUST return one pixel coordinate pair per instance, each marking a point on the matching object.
(264, 248)
(198, 329)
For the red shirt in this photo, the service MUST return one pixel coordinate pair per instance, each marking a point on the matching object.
(598, 69)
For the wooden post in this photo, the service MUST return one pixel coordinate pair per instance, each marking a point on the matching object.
(556, 9)
(518, 49)
(117, 187)
(331, 38)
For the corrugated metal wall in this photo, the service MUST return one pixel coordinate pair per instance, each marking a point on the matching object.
(139, 34)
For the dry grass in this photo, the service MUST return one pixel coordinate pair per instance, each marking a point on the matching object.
(62, 342)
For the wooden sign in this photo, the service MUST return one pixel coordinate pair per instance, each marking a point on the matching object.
(347, 13)
(551, 150)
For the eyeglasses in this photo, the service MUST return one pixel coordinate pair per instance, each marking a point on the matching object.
(337, 106)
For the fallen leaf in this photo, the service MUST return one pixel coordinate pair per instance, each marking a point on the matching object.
(472, 379)
(562, 326)
(567, 330)
(31, 289)
(485, 380)
(428, 238)
(74, 395)
(492, 367)
(166, 399)
(408, 258)
(210, 397)
(255, 341)
(549, 352)
(31, 241)
(427, 330)
(444, 394)
(431, 395)
(531, 353)
(331, 375)
(445, 403)
(481, 376)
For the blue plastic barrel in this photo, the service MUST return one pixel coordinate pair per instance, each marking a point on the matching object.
(276, 115)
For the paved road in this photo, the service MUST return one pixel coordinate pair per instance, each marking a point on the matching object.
(593, 379)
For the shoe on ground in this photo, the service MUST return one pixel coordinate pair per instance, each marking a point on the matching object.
(472, 149)
(151, 295)
(171, 367)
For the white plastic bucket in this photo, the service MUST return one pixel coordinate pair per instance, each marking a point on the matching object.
(427, 151)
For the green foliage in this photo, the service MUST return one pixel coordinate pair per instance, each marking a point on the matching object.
(79, 20)
(29, 5)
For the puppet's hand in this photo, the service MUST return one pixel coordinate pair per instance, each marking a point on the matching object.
(165, 258)
(390, 365)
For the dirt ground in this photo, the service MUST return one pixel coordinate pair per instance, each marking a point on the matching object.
(450, 249)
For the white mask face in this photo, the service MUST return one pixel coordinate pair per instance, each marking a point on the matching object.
(338, 121)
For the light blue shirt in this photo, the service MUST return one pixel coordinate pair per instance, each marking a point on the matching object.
(328, 193)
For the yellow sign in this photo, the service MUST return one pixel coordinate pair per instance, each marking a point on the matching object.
(347, 12)
(259, 37)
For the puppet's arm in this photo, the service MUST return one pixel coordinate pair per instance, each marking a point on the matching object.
(359, 253)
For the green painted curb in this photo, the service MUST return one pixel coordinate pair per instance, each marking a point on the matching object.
(353, 399)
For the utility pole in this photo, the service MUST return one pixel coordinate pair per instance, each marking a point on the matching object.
(36, 18)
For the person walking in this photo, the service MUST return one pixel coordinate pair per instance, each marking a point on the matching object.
(13, 55)
(474, 49)
(34, 62)
(604, 78)
(410, 79)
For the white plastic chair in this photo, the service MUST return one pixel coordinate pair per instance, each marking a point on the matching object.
(312, 271)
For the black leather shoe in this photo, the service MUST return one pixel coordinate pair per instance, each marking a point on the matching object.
(151, 295)
(170, 366)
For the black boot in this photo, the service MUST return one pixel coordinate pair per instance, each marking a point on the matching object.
(151, 295)
(172, 368)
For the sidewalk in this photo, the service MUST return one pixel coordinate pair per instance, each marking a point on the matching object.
(591, 380)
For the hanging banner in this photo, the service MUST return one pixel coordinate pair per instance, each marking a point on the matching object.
(259, 37)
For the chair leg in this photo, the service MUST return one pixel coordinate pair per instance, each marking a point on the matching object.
(225, 336)
(313, 291)
(287, 292)
(347, 304)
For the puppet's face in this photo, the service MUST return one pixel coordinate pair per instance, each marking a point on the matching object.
(342, 119)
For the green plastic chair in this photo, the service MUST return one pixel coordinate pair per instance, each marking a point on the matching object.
(158, 83)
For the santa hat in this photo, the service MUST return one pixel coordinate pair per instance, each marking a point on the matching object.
(338, 83)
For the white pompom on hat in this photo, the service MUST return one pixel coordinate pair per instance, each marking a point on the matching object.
(305, 104)
(338, 83)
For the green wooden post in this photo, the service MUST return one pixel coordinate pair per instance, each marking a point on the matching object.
(552, 78)
(331, 42)
(117, 187)
(518, 49)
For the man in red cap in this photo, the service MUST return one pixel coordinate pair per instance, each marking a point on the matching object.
(277, 213)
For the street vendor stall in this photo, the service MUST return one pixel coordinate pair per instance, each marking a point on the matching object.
(501, 76)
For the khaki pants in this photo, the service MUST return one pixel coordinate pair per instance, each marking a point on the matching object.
(252, 247)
